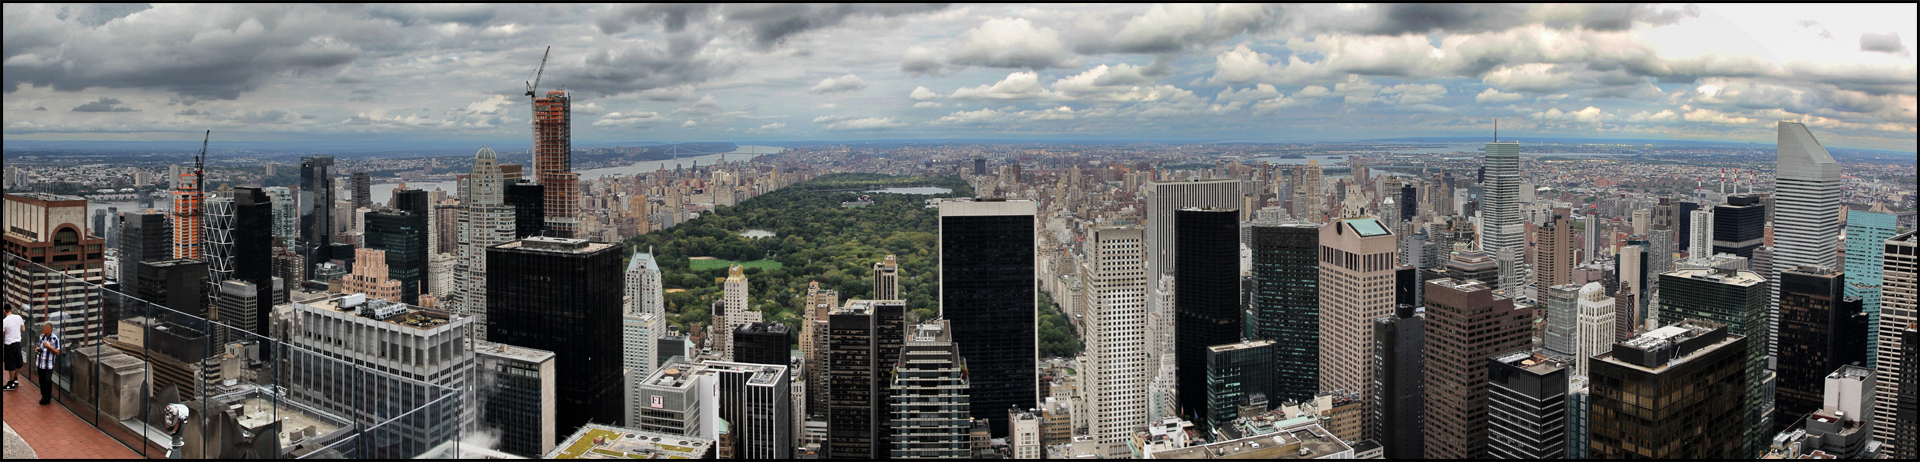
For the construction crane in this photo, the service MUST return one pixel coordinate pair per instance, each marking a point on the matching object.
(535, 84)
(199, 164)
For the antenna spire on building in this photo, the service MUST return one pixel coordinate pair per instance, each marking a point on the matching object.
(1496, 130)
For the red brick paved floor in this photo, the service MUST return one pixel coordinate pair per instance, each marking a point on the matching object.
(53, 431)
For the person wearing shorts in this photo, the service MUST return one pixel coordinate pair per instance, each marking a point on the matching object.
(13, 326)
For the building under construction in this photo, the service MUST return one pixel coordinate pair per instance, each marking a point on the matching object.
(553, 161)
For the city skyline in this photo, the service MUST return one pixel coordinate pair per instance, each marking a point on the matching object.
(811, 72)
(970, 270)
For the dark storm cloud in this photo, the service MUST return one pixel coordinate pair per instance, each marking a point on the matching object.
(412, 14)
(1472, 18)
(762, 25)
(640, 65)
(1885, 43)
(195, 53)
(105, 104)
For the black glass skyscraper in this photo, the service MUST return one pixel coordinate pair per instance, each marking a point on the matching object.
(761, 343)
(1400, 383)
(988, 291)
(1821, 329)
(316, 209)
(529, 208)
(404, 236)
(563, 296)
(1286, 305)
(253, 249)
(1206, 294)
(1739, 226)
(1409, 202)
(145, 236)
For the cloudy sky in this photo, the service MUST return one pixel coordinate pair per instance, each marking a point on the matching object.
(804, 72)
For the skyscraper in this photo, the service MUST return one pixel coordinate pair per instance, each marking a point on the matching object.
(403, 235)
(1563, 319)
(1206, 302)
(1867, 233)
(316, 210)
(929, 397)
(1357, 271)
(486, 222)
(988, 291)
(1737, 300)
(514, 393)
(886, 279)
(1400, 378)
(145, 236)
(1894, 409)
(735, 312)
(528, 201)
(1503, 234)
(1555, 258)
(178, 284)
(760, 343)
(253, 250)
(1237, 374)
(1700, 234)
(563, 296)
(1662, 394)
(1807, 219)
(1739, 226)
(1597, 329)
(1163, 200)
(189, 217)
(813, 345)
(1821, 329)
(642, 322)
(553, 161)
(865, 343)
(1467, 323)
(1286, 305)
(362, 190)
(1527, 406)
(1114, 292)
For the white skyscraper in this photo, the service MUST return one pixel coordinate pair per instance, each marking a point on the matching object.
(1116, 296)
(737, 312)
(1596, 326)
(1503, 234)
(1700, 235)
(486, 221)
(640, 327)
(1806, 218)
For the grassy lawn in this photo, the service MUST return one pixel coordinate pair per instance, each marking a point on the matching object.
(707, 264)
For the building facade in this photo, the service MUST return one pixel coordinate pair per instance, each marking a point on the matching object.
(1357, 282)
(1115, 294)
(514, 393)
(1207, 304)
(1527, 406)
(1652, 393)
(989, 291)
(485, 222)
(1737, 300)
(1821, 329)
(1467, 324)
(1400, 379)
(1286, 305)
(864, 341)
(929, 397)
(563, 296)
(1894, 409)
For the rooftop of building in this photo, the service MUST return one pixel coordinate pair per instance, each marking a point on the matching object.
(46, 197)
(595, 441)
(763, 327)
(380, 310)
(1240, 345)
(1533, 361)
(1367, 226)
(643, 260)
(1723, 276)
(934, 331)
(555, 244)
(1302, 442)
(1667, 337)
(857, 306)
(530, 355)
(677, 373)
